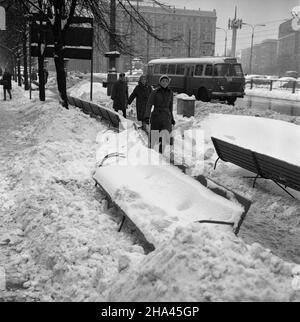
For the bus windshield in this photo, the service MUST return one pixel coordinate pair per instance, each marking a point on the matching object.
(228, 70)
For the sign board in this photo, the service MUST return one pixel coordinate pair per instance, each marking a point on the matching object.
(2, 19)
(78, 40)
(78, 44)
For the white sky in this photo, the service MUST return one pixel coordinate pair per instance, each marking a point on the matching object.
(268, 12)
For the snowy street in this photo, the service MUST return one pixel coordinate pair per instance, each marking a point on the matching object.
(60, 242)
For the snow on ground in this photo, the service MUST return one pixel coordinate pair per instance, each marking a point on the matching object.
(203, 264)
(275, 93)
(59, 242)
(278, 139)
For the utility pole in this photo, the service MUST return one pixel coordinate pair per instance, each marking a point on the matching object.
(189, 43)
(234, 25)
(226, 37)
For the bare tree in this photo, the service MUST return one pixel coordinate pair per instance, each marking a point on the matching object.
(59, 14)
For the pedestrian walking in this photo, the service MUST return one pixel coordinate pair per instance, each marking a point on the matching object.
(161, 119)
(120, 95)
(141, 93)
(6, 83)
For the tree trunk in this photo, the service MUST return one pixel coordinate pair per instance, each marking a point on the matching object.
(60, 72)
(19, 71)
(26, 83)
(41, 78)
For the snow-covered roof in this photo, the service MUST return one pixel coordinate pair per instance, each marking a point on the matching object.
(212, 60)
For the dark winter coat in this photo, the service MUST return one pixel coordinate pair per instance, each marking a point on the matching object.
(7, 80)
(120, 95)
(141, 93)
(161, 117)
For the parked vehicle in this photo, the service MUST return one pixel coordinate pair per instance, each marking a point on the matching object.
(207, 77)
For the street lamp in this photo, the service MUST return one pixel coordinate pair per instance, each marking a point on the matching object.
(225, 52)
(252, 41)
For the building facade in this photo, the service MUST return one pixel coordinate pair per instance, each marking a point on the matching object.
(288, 52)
(264, 58)
(191, 33)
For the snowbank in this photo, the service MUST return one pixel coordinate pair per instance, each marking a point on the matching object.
(285, 94)
(205, 264)
(58, 241)
(275, 138)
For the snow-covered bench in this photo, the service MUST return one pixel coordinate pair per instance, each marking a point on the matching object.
(280, 172)
(104, 113)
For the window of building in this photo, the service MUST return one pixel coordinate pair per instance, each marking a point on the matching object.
(199, 70)
(180, 69)
(163, 69)
(172, 69)
(208, 70)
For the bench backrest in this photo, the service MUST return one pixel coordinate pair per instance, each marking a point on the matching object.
(234, 154)
(110, 116)
(279, 171)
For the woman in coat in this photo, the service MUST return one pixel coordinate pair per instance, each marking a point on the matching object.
(120, 95)
(6, 78)
(161, 119)
(141, 93)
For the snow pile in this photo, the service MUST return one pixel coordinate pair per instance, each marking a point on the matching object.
(275, 93)
(58, 241)
(275, 138)
(186, 97)
(82, 91)
(204, 264)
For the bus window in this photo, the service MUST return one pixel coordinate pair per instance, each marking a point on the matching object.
(208, 70)
(172, 69)
(221, 70)
(163, 69)
(150, 69)
(236, 70)
(156, 69)
(199, 70)
(180, 69)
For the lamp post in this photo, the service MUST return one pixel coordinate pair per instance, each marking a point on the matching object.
(225, 52)
(252, 42)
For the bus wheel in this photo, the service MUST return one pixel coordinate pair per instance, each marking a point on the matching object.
(203, 95)
(231, 100)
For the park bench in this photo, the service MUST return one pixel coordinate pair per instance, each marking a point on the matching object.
(283, 174)
(92, 109)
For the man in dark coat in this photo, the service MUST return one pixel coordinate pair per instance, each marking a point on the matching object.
(161, 118)
(141, 93)
(6, 79)
(120, 95)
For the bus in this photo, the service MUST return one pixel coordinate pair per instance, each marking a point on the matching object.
(207, 78)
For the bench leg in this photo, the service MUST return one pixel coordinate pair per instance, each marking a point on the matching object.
(216, 163)
(283, 188)
(122, 223)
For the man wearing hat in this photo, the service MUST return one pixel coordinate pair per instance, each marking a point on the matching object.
(120, 95)
(161, 119)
